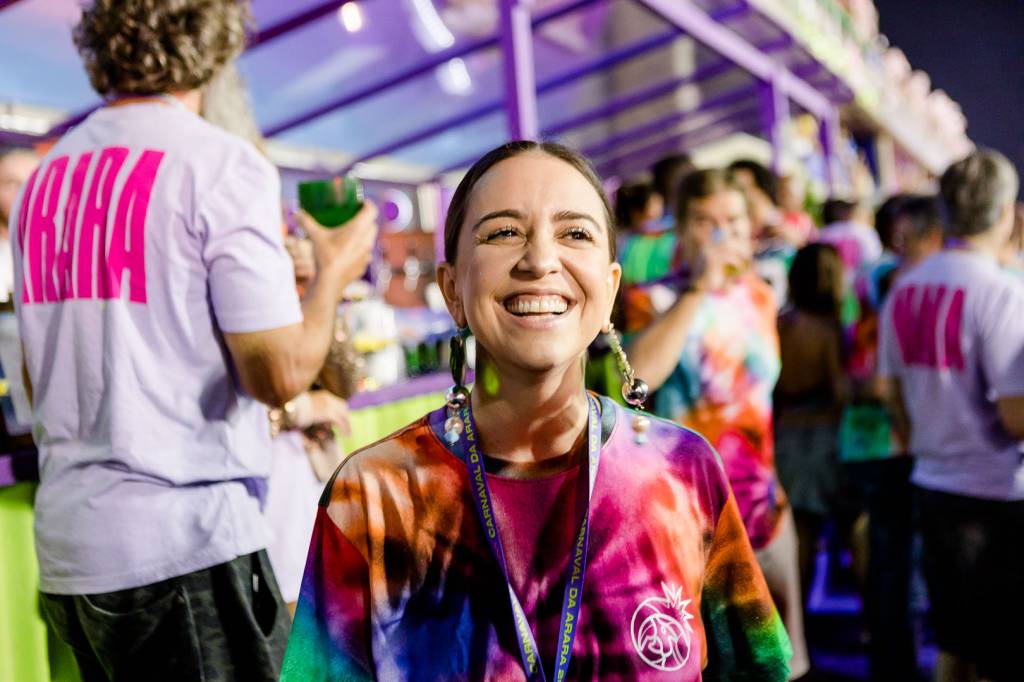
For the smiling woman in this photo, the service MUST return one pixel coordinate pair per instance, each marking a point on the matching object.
(528, 529)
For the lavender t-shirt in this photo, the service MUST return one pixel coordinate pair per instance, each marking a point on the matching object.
(145, 233)
(856, 243)
(952, 332)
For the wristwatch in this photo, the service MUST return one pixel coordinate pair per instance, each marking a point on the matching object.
(281, 418)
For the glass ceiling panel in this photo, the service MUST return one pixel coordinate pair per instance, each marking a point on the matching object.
(432, 101)
(40, 64)
(323, 60)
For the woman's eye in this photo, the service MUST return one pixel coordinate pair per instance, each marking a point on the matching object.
(579, 234)
(502, 233)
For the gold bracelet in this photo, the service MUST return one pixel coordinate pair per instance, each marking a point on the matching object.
(281, 418)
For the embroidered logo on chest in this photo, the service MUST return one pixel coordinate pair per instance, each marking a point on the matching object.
(661, 630)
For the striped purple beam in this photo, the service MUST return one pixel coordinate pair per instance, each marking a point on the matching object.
(725, 14)
(646, 95)
(616, 107)
(291, 23)
(18, 139)
(610, 59)
(743, 114)
(660, 124)
(697, 24)
(415, 71)
(520, 74)
(641, 158)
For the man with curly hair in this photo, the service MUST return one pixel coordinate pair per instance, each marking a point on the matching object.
(157, 307)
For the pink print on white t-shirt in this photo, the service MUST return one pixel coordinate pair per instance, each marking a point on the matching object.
(76, 263)
(928, 320)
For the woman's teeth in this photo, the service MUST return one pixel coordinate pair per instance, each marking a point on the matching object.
(536, 305)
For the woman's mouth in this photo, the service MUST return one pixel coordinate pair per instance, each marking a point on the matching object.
(526, 304)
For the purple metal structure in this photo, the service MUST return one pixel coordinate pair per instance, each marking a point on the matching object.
(776, 86)
(517, 60)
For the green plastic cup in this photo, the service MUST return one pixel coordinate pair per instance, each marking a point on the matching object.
(331, 202)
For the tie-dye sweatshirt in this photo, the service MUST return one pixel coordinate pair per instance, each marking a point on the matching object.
(722, 388)
(400, 583)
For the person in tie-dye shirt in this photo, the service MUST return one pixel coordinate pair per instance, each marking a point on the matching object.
(713, 355)
(403, 580)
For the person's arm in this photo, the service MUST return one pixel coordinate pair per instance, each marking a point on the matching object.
(746, 639)
(836, 372)
(885, 386)
(26, 380)
(330, 636)
(1002, 355)
(654, 353)
(276, 365)
(1011, 412)
(890, 393)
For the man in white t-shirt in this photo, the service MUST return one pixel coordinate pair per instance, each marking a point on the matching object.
(848, 229)
(952, 345)
(157, 307)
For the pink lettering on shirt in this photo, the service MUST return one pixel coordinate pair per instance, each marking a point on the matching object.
(954, 356)
(927, 321)
(128, 241)
(89, 256)
(42, 236)
(65, 259)
(23, 214)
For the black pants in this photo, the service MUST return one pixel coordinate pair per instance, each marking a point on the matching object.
(889, 498)
(227, 622)
(974, 566)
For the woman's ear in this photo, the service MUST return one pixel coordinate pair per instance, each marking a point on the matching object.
(614, 280)
(446, 281)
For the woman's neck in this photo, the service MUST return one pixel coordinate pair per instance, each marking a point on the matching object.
(524, 416)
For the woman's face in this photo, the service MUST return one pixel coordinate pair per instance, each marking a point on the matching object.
(533, 278)
(720, 221)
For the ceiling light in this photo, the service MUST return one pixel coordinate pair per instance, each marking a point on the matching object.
(351, 16)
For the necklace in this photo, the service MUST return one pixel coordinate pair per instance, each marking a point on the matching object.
(461, 433)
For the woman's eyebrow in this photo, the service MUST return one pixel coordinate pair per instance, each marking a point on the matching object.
(504, 213)
(563, 216)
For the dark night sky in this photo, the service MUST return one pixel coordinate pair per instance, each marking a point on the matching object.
(974, 50)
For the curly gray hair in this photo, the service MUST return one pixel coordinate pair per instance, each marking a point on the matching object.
(146, 47)
(976, 191)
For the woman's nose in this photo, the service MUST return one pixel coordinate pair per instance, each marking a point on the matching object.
(540, 256)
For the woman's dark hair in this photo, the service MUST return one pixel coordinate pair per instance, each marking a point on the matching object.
(838, 211)
(666, 175)
(816, 280)
(922, 213)
(700, 185)
(147, 47)
(975, 191)
(460, 200)
(763, 178)
(886, 219)
(630, 199)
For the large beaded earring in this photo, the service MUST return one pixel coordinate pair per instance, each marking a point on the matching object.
(458, 395)
(634, 390)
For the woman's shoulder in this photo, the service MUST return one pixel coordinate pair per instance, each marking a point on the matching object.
(680, 447)
(407, 455)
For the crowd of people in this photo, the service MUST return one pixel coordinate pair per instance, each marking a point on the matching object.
(688, 392)
(846, 397)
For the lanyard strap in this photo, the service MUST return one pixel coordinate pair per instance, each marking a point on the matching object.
(468, 449)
